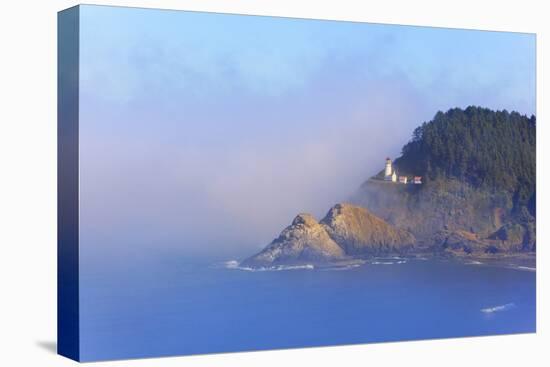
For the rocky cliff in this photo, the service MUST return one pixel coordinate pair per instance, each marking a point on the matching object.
(479, 183)
(451, 215)
(477, 197)
(304, 241)
(346, 232)
(359, 232)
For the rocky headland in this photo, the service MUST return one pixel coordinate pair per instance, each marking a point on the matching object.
(465, 188)
(347, 232)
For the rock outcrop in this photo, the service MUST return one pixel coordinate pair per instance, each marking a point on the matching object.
(478, 170)
(477, 197)
(346, 232)
(515, 237)
(359, 232)
(304, 241)
(459, 243)
(452, 216)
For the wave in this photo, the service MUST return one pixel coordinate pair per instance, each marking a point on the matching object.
(343, 267)
(525, 268)
(279, 268)
(474, 262)
(231, 264)
(500, 308)
(235, 265)
(388, 262)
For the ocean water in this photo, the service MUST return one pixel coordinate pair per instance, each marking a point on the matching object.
(168, 306)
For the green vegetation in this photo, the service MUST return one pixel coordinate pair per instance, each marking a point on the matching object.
(487, 149)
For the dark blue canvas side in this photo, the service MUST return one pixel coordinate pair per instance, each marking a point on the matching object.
(67, 184)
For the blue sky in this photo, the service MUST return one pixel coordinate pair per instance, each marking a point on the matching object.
(245, 121)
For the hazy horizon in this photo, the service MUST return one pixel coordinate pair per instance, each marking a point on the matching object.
(209, 132)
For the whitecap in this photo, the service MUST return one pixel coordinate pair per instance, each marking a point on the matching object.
(344, 267)
(235, 265)
(525, 268)
(474, 262)
(231, 264)
(290, 267)
(388, 262)
(500, 308)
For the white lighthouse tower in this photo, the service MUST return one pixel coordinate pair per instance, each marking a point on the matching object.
(388, 172)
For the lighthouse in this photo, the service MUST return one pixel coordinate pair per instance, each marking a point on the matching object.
(388, 172)
(390, 175)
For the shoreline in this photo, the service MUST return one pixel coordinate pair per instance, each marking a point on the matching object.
(525, 261)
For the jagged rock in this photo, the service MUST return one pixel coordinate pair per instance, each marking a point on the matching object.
(360, 232)
(515, 236)
(444, 204)
(510, 238)
(304, 241)
(346, 231)
(512, 233)
(460, 243)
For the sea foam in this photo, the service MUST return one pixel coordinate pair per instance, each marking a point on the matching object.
(343, 267)
(388, 262)
(474, 262)
(233, 264)
(525, 268)
(500, 308)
